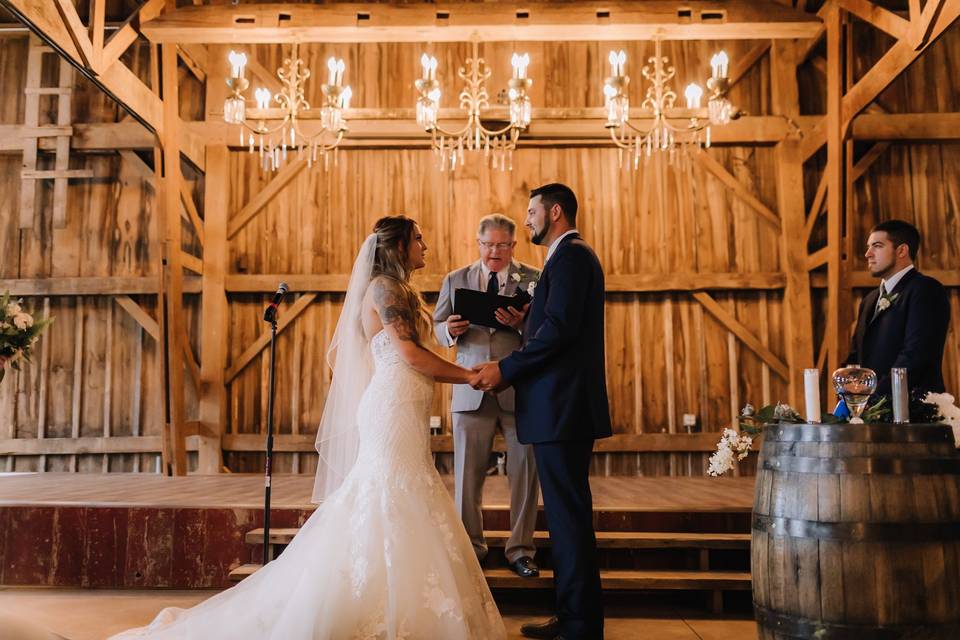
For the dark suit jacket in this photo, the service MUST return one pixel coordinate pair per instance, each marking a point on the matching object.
(910, 333)
(558, 373)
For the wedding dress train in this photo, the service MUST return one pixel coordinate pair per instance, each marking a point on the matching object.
(385, 557)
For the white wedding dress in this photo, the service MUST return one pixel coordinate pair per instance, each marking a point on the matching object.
(384, 557)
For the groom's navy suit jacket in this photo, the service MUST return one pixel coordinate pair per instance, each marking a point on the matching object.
(910, 333)
(558, 373)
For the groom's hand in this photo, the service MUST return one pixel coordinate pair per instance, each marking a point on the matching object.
(488, 377)
(511, 317)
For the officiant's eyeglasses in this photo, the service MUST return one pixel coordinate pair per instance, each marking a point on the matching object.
(499, 245)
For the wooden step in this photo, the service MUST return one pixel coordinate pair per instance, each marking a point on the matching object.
(605, 539)
(611, 578)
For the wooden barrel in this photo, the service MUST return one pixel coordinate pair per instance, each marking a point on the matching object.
(856, 532)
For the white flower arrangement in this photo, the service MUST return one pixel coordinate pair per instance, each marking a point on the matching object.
(948, 410)
(19, 332)
(733, 447)
(516, 277)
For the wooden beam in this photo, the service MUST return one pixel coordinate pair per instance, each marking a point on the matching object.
(798, 307)
(215, 328)
(863, 279)
(192, 262)
(879, 17)
(835, 183)
(430, 283)
(194, 57)
(57, 173)
(816, 207)
(542, 21)
(98, 19)
(621, 442)
(264, 196)
(924, 27)
(77, 31)
(709, 163)
(743, 333)
(289, 315)
(173, 289)
(79, 446)
(139, 314)
(818, 258)
(906, 127)
(742, 65)
(192, 367)
(867, 160)
(128, 32)
(95, 285)
(191, 208)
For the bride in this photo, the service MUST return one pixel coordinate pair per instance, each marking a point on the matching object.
(384, 556)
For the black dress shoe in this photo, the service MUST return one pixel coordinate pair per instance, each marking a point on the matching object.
(525, 567)
(549, 630)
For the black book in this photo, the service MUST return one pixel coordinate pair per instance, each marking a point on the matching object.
(479, 307)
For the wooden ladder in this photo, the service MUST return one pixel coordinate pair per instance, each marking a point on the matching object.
(32, 132)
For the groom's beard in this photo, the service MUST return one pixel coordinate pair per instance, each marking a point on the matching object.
(538, 236)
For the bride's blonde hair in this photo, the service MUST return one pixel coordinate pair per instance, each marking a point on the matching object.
(394, 234)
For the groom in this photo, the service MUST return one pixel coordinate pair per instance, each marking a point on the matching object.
(561, 404)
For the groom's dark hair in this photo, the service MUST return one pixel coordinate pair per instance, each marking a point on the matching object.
(901, 232)
(561, 194)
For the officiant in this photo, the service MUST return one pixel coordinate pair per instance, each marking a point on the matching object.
(477, 414)
(904, 321)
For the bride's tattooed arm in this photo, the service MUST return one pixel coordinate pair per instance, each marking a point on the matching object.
(394, 308)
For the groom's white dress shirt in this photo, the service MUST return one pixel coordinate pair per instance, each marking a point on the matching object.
(556, 243)
(888, 285)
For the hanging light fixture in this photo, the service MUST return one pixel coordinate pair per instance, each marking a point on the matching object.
(671, 128)
(273, 141)
(497, 144)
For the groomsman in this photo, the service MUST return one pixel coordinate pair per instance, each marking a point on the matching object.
(477, 414)
(903, 322)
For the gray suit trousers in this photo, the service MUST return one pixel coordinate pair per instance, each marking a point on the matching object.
(473, 433)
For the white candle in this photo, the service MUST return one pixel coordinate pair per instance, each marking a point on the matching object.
(811, 394)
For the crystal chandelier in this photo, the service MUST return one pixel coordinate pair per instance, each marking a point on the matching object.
(496, 143)
(272, 141)
(671, 128)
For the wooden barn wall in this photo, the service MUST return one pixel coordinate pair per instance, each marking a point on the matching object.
(97, 373)
(917, 182)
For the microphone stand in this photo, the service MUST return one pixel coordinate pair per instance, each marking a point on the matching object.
(270, 316)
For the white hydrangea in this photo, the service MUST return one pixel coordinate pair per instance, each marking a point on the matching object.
(946, 408)
(23, 321)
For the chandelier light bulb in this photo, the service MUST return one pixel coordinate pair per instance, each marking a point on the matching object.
(238, 62)
(693, 93)
(332, 69)
(341, 67)
(345, 98)
(520, 63)
(263, 97)
(719, 64)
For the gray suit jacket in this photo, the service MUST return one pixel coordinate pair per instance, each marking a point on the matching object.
(478, 344)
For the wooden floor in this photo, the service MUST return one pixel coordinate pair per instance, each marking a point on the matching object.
(293, 491)
(78, 614)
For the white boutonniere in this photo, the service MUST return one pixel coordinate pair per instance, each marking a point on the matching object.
(516, 277)
(531, 287)
(886, 302)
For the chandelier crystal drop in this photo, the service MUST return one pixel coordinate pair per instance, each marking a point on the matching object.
(666, 128)
(497, 142)
(277, 131)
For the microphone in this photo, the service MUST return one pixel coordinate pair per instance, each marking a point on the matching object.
(270, 314)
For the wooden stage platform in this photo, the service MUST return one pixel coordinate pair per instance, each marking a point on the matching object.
(139, 530)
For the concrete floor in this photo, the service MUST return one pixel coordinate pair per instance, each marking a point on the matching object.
(87, 614)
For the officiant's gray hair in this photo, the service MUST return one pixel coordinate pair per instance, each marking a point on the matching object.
(497, 221)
